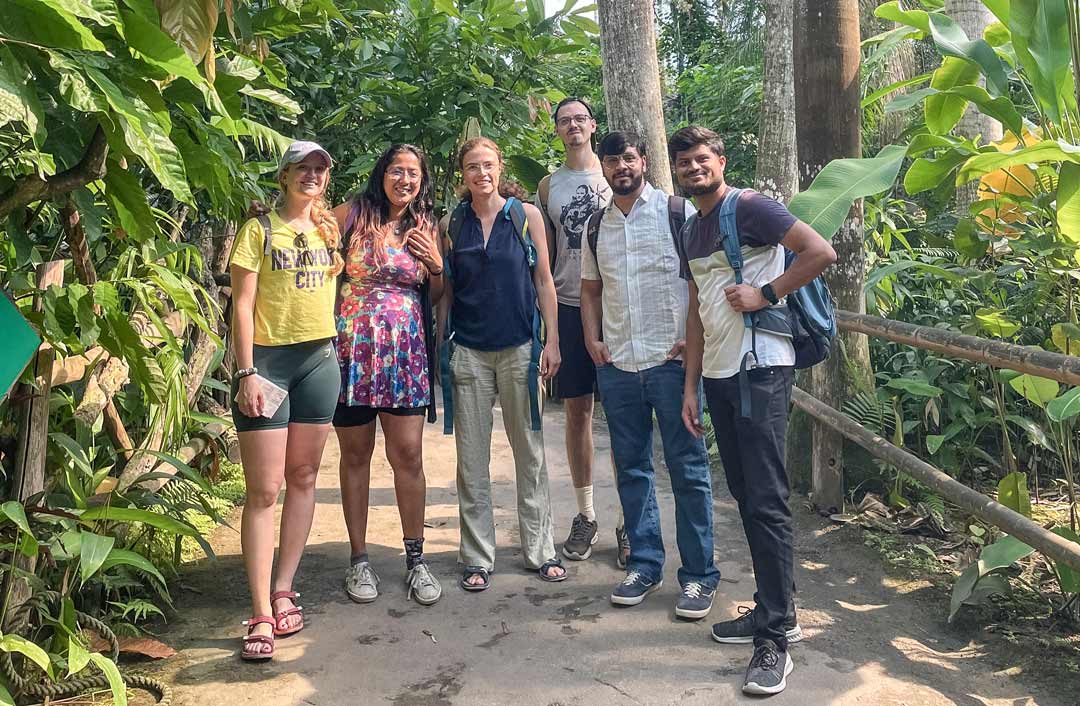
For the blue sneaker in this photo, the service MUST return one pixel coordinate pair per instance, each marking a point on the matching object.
(695, 601)
(634, 588)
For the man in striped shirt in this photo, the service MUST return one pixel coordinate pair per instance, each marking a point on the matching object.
(630, 281)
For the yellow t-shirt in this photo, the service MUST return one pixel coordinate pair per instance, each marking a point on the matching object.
(295, 297)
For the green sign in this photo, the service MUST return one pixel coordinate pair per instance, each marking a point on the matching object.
(20, 342)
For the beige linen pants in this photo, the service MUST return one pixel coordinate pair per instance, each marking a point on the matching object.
(479, 378)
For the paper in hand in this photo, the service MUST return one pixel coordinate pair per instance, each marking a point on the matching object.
(272, 395)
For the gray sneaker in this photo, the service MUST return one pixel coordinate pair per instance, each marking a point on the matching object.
(695, 601)
(423, 587)
(362, 583)
(768, 671)
(583, 535)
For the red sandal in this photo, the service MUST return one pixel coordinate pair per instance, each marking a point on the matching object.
(258, 639)
(288, 612)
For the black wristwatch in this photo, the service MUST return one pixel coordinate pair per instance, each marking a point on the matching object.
(770, 294)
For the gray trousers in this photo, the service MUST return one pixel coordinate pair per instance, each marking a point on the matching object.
(479, 378)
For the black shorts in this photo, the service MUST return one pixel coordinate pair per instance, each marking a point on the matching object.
(577, 373)
(308, 371)
(361, 415)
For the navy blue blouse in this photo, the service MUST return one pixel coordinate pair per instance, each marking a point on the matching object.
(494, 296)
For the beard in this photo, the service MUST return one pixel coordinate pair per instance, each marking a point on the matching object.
(635, 184)
(705, 188)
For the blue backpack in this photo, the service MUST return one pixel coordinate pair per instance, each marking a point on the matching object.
(808, 316)
(516, 212)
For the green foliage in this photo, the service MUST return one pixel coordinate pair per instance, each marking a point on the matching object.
(419, 73)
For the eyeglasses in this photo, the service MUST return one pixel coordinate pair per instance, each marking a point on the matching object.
(397, 173)
(612, 160)
(576, 119)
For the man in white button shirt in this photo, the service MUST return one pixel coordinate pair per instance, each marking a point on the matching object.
(630, 281)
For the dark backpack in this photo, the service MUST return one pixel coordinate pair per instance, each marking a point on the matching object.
(516, 211)
(808, 316)
(676, 213)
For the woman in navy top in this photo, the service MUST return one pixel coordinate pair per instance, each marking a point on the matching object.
(496, 288)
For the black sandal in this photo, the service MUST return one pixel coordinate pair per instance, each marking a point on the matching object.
(549, 564)
(471, 571)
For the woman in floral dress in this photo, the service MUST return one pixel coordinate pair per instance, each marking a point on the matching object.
(393, 275)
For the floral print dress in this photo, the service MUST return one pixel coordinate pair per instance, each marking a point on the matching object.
(380, 328)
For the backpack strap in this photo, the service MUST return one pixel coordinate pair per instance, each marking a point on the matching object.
(268, 232)
(729, 230)
(676, 213)
(592, 232)
(516, 210)
(447, 345)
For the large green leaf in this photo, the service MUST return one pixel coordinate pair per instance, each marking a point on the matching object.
(943, 111)
(998, 555)
(46, 23)
(6, 699)
(925, 173)
(951, 41)
(276, 98)
(825, 205)
(132, 514)
(158, 49)
(1068, 577)
(134, 559)
(128, 202)
(78, 657)
(527, 171)
(15, 643)
(112, 673)
(994, 322)
(892, 11)
(15, 512)
(191, 23)
(1065, 406)
(1035, 389)
(1068, 201)
(1000, 108)
(18, 99)
(94, 549)
(1013, 493)
(145, 136)
(1040, 37)
(1039, 153)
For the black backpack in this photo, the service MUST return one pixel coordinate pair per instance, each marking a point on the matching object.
(676, 209)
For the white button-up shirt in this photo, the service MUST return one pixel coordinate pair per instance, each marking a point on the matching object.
(644, 299)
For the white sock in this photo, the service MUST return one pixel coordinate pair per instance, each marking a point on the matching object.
(584, 502)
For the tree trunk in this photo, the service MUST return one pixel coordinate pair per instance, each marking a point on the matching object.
(777, 165)
(973, 17)
(632, 80)
(826, 39)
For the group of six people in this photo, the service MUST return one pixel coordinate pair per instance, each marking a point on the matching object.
(607, 284)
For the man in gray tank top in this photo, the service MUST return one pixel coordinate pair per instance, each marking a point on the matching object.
(567, 198)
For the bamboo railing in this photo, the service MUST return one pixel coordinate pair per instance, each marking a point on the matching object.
(1063, 368)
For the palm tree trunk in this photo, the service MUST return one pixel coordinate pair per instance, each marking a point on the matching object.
(777, 173)
(632, 79)
(826, 39)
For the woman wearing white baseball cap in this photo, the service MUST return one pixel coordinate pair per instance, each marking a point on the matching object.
(284, 266)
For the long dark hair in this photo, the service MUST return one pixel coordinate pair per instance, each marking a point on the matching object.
(372, 207)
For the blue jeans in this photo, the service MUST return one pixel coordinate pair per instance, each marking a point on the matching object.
(630, 399)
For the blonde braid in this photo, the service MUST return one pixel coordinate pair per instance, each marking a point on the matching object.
(328, 227)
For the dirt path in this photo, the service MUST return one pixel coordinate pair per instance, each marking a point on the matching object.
(870, 640)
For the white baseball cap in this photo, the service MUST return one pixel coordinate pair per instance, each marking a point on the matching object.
(299, 151)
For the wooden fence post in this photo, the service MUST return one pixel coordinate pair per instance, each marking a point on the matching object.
(32, 417)
(33, 410)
